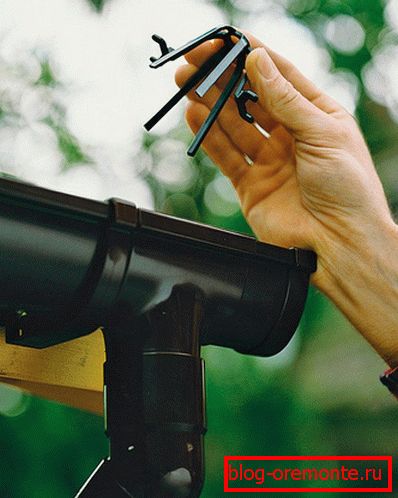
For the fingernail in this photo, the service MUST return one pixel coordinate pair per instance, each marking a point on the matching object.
(265, 64)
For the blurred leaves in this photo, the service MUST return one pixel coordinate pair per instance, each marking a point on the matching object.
(47, 77)
(228, 7)
(98, 5)
(68, 144)
(200, 172)
(46, 448)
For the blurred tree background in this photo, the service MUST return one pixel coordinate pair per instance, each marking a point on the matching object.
(319, 396)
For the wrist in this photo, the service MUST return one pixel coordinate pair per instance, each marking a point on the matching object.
(359, 273)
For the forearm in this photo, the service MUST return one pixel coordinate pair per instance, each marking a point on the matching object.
(361, 277)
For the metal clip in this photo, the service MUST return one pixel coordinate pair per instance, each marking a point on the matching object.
(164, 49)
(242, 96)
(210, 72)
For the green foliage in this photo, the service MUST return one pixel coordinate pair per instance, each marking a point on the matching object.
(46, 448)
(69, 146)
(229, 9)
(98, 5)
(47, 77)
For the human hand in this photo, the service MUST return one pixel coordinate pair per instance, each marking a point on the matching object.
(312, 183)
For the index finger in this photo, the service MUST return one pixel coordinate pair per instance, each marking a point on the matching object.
(200, 54)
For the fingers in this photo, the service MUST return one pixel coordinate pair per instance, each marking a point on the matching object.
(217, 144)
(281, 99)
(302, 84)
(285, 96)
(243, 134)
(220, 83)
(198, 55)
(182, 74)
(203, 52)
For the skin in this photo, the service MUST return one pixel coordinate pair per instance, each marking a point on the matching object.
(310, 184)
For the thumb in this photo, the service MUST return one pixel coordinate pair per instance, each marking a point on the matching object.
(279, 98)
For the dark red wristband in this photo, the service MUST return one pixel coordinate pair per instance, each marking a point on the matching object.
(390, 379)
